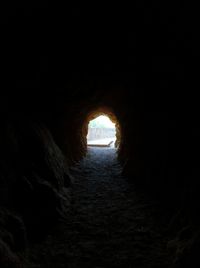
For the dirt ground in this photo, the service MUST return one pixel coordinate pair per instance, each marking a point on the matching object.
(109, 224)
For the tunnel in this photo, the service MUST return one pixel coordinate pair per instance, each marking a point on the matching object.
(64, 203)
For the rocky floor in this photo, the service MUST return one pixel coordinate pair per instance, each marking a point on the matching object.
(110, 224)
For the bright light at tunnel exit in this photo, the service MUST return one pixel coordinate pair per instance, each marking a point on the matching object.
(101, 121)
(101, 132)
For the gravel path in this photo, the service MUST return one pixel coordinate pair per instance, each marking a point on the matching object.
(110, 225)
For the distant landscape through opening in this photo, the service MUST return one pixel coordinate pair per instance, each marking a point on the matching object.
(101, 132)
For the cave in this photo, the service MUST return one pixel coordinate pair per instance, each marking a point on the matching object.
(64, 203)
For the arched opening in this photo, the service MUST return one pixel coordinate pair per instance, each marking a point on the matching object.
(101, 132)
(101, 128)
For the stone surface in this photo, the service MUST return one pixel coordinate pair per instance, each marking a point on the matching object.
(110, 224)
(34, 183)
(7, 258)
(12, 239)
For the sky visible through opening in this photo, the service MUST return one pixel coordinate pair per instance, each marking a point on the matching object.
(101, 121)
(101, 132)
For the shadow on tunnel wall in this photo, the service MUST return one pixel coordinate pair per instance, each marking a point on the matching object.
(145, 72)
(42, 135)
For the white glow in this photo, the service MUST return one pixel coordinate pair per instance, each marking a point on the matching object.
(102, 121)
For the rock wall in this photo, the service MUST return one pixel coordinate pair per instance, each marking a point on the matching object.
(144, 70)
(34, 184)
(154, 150)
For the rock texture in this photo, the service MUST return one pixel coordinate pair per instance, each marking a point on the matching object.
(110, 223)
(34, 183)
(60, 64)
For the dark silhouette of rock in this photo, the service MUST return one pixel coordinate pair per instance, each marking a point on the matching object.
(35, 184)
(7, 258)
(12, 238)
(62, 64)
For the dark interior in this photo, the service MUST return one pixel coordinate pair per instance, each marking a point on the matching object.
(63, 65)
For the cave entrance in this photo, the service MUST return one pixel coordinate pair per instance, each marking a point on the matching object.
(101, 132)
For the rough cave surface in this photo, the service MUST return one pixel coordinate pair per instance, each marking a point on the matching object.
(94, 235)
(62, 207)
